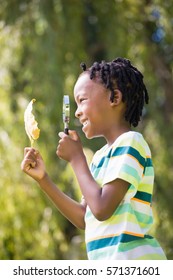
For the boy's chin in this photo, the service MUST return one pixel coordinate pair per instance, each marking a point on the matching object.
(91, 136)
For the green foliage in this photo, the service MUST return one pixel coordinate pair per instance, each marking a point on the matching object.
(42, 45)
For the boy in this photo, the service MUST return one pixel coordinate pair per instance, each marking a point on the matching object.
(117, 190)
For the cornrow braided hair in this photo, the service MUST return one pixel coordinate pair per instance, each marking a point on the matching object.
(121, 74)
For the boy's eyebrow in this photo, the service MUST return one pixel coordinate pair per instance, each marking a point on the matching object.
(77, 97)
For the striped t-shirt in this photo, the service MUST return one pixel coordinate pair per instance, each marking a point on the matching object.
(124, 236)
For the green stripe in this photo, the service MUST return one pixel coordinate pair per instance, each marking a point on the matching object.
(126, 173)
(143, 196)
(130, 151)
(149, 162)
(118, 216)
(131, 171)
(138, 145)
(143, 218)
(149, 171)
(123, 208)
(140, 242)
(125, 150)
(112, 241)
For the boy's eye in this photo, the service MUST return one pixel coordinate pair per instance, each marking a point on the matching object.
(81, 99)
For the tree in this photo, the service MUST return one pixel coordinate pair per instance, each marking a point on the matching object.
(42, 45)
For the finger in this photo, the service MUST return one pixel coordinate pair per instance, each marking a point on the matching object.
(58, 153)
(28, 149)
(31, 155)
(62, 134)
(27, 164)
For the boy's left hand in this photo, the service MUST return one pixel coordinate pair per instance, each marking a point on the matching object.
(70, 146)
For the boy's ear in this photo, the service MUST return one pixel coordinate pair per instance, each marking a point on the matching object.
(117, 98)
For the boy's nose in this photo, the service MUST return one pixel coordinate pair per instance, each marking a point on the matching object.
(78, 113)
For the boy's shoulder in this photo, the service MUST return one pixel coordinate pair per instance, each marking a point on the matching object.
(135, 140)
(128, 139)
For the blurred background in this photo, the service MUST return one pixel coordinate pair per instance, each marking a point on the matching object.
(42, 44)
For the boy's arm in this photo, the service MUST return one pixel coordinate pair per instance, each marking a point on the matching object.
(33, 165)
(102, 201)
(71, 209)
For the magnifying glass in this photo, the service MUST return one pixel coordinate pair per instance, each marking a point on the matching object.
(66, 113)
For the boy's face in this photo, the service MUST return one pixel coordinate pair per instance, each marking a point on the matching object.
(93, 106)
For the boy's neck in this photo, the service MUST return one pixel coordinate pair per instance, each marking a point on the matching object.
(116, 132)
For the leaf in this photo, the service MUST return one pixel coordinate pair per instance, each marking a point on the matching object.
(31, 125)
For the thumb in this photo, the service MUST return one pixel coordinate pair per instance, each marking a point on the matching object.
(73, 134)
(62, 134)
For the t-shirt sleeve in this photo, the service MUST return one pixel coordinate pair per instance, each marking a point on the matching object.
(126, 162)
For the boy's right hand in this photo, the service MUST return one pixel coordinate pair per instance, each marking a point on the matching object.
(33, 164)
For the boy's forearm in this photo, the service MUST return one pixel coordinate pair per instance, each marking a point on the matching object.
(71, 209)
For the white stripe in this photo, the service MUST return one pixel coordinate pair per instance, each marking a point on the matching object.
(95, 230)
(111, 253)
(142, 208)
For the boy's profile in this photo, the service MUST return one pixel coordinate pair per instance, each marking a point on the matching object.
(117, 188)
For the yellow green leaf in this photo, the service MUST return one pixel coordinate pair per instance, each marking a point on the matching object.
(31, 125)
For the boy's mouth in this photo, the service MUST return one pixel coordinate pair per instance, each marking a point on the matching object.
(85, 123)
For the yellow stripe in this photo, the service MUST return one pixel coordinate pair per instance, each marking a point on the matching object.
(113, 235)
(141, 166)
(141, 201)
